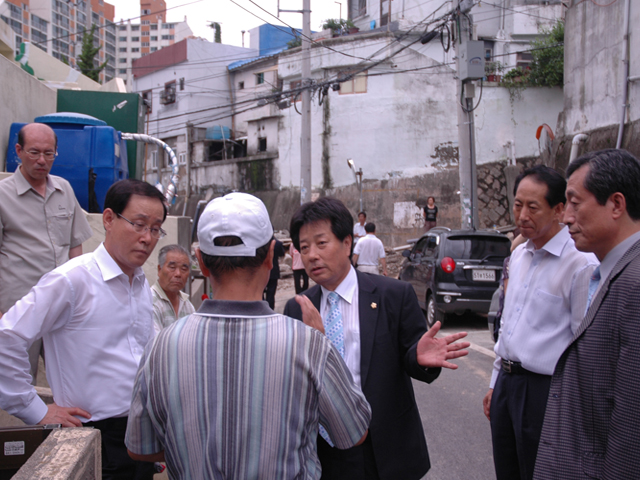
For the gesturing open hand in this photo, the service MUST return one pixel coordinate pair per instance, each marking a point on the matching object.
(435, 352)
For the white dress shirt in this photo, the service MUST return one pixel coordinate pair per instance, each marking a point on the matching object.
(369, 250)
(348, 292)
(94, 324)
(358, 230)
(545, 303)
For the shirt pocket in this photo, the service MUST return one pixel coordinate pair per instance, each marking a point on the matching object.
(60, 228)
(544, 312)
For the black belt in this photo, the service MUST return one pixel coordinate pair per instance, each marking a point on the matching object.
(514, 367)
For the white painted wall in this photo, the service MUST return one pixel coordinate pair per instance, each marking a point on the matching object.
(593, 66)
(23, 97)
(499, 120)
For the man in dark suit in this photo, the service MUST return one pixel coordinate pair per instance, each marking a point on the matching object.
(592, 427)
(385, 343)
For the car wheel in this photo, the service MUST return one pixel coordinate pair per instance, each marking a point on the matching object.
(433, 314)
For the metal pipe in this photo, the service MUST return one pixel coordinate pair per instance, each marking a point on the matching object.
(625, 69)
(575, 144)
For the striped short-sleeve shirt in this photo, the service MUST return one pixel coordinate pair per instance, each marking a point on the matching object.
(237, 391)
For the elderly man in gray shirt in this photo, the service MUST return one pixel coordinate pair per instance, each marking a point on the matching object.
(41, 223)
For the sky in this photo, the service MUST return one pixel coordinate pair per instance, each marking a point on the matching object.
(232, 18)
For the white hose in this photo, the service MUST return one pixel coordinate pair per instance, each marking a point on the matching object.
(173, 185)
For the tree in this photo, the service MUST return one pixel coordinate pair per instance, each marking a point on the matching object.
(217, 32)
(86, 58)
(547, 68)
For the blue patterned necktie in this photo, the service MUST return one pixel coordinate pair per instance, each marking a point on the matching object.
(593, 285)
(334, 332)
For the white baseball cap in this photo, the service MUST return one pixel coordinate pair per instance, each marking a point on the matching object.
(239, 215)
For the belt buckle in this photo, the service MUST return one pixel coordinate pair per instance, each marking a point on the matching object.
(506, 366)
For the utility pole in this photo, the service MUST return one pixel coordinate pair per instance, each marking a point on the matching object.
(305, 134)
(470, 66)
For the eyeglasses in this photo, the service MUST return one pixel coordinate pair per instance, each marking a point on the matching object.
(36, 154)
(156, 232)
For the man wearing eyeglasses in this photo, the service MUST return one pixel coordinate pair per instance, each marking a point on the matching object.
(95, 316)
(41, 224)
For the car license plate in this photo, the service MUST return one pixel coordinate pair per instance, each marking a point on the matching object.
(484, 275)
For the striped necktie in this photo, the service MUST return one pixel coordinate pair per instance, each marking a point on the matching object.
(593, 286)
(335, 334)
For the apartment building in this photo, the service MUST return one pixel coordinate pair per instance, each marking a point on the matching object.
(153, 32)
(57, 27)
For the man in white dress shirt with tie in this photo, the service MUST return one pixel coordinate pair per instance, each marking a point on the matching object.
(95, 316)
(544, 305)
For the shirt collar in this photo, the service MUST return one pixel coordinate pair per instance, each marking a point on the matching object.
(108, 266)
(347, 287)
(616, 253)
(163, 295)
(23, 186)
(235, 309)
(555, 245)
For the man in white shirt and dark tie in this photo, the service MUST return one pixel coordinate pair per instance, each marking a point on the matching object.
(544, 305)
(95, 316)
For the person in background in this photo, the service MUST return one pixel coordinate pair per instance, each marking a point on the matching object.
(274, 276)
(430, 214)
(41, 223)
(358, 229)
(169, 301)
(235, 390)
(369, 252)
(300, 277)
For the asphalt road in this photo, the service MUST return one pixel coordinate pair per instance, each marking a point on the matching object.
(458, 433)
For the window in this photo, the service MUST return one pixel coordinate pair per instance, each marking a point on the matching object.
(358, 84)
(262, 144)
(145, 34)
(358, 7)
(122, 71)
(294, 86)
(145, 22)
(154, 39)
(240, 85)
(167, 26)
(168, 95)
(154, 49)
(122, 39)
(135, 50)
(167, 37)
(154, 26)
(135, 39)
(135, 28)
(39, 23)
(147, 100)
(182, 159)
(122, 28)
(122, 49)
(122, 60)
(259, 78)
(524, 60)
(145, 44)
(154, 160)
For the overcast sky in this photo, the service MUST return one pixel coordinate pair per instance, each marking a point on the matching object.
(232, 17)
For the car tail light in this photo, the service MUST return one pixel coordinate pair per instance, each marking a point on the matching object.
(448, 264)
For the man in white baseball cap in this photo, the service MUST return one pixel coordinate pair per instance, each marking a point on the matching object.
(242, 386)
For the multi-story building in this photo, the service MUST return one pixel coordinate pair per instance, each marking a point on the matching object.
(57, 27)
(136, 40)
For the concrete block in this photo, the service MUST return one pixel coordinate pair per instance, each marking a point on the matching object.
(66, 454)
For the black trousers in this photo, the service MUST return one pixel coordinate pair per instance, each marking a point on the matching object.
(116, 462)
(300, 275)
(517, 412)
(270, 292)
(355, 463)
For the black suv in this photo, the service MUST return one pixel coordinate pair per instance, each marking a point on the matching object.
(455, 271)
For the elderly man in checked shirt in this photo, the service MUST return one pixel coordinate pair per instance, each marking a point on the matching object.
(235, 390)
(544, 305)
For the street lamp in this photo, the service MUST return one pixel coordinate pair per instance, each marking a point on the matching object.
(340, 3)
(358, 176)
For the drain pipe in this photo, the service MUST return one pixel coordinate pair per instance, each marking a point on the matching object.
(625, 70)
(575, 145)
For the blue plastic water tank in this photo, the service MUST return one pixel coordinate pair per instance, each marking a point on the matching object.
(91, 155)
